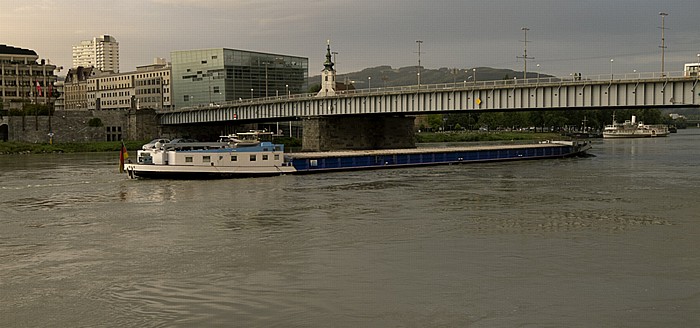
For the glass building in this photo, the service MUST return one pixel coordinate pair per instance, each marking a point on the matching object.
(210, 76)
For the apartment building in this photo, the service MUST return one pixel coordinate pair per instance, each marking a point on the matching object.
(23, 78)
(147, 87)
(101, 52)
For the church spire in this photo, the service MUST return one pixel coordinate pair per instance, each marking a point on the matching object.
(327, 75)
(329, 63)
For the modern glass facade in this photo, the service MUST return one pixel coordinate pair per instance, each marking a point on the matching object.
(210, 76)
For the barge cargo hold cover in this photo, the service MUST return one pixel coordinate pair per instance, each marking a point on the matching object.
(388, 158)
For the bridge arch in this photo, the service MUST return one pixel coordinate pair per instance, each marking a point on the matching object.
(4, 132)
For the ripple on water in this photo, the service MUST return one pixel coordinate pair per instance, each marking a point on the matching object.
(214, 300)
(57, 200)
(554, 222)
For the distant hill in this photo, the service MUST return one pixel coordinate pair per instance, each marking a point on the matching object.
(386, 76)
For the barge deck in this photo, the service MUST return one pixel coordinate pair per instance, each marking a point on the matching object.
(387, 158)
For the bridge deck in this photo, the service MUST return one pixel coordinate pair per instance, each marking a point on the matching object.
(639, 90)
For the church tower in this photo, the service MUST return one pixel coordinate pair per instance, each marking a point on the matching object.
(327, 76)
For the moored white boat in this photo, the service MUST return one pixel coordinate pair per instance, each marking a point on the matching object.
(634, 129)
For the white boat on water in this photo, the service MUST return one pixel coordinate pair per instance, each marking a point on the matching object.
(236, 155)
(633, 129)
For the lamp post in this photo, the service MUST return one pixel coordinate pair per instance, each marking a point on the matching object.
(538, 72)
(474, 75)
(663, 41)
(697, 71)
(524, 56)
(251, 93)
(611, 68)
(286, 86)
(419, 68)
(369, 82)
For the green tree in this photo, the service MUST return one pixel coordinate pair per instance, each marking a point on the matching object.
(650, 116)
(491, 120)
(95, 122)
(435, 121)
(314, 88)
(515, 120)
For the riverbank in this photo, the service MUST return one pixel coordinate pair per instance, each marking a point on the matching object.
(473, 136)
(69, 147)
(107, 146)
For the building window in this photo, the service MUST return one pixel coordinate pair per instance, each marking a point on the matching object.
(187, 98)
(234, 158)
(253, 158)
(264, 157)
(277, 157)
(188, 159)
(206, 159)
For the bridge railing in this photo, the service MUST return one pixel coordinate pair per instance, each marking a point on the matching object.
(572, 78)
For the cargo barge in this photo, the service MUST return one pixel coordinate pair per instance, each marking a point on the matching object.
(389, 158)
(232, 157)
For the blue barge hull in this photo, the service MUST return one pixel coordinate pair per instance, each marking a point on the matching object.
(376, 159)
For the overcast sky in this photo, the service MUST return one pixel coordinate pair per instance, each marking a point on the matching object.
(566, 35)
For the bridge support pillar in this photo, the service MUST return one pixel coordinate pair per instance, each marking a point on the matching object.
(357, 133)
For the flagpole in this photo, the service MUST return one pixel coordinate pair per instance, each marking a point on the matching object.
(36, 109)
(123, 155)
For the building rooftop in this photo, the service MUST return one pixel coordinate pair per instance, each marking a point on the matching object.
(9, 50)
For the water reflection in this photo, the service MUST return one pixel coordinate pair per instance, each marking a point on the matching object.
(145, 191)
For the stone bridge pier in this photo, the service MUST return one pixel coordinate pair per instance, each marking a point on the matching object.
(358, 133)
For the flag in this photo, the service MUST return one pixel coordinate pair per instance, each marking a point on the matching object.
(123, 155)
(38, 88)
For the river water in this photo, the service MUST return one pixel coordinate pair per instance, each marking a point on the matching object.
(605, 241)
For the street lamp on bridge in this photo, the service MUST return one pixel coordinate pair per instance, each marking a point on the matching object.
(419, 43)
(663, 41)
(611, 68)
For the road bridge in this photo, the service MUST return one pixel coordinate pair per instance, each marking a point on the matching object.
(362, 109)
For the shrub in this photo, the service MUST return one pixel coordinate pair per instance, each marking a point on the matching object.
(95, 122)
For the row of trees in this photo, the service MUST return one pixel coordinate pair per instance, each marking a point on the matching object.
(30, 109)
(557, 120)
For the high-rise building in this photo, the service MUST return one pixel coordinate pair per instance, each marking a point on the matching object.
(101, 52)
(210, 76)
